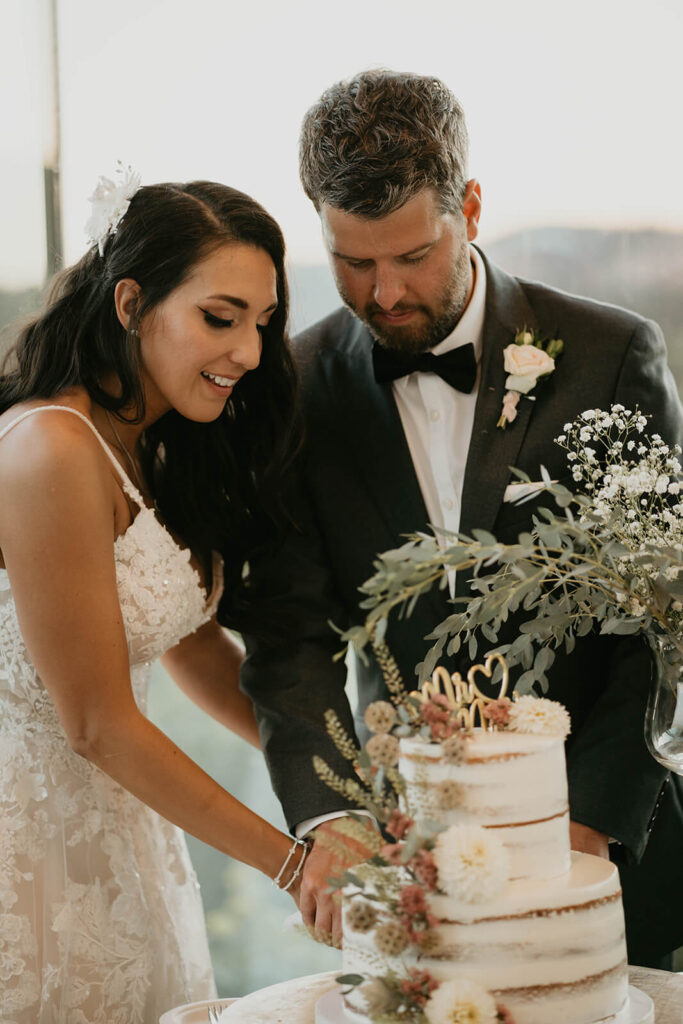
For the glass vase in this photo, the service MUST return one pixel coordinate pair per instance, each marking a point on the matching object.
(664, 715)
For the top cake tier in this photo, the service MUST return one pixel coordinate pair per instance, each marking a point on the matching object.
(511, 782)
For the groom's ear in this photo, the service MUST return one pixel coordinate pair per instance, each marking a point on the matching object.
(471, 208)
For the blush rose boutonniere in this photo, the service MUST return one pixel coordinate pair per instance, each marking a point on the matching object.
(527, 359)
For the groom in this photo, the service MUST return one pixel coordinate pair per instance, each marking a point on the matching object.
(402, 391)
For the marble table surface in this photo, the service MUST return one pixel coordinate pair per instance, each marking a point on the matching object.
(665, 990)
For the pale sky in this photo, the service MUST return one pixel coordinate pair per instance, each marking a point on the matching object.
(573, 109)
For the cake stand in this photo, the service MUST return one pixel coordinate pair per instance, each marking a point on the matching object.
(329, 1009)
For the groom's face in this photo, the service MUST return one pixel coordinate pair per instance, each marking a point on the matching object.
(407, 275)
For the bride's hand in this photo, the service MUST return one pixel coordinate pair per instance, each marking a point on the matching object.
(295, 891)
(332, 854)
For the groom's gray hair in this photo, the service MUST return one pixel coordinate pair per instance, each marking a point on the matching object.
(373, 142)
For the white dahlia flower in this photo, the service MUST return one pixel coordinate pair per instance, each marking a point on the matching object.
(472, 863)
(461, 1001)
(540, 716)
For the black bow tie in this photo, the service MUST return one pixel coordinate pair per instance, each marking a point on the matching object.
(457, 367)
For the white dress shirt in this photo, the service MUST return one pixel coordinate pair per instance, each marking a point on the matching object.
(437, 422)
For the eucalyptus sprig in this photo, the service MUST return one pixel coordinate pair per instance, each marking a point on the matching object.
(610, 558)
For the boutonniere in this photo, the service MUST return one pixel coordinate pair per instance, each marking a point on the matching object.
(529, 358)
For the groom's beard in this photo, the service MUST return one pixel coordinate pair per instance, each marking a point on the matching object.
(432, 325)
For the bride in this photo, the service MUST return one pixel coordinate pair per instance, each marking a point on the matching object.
(145, 426)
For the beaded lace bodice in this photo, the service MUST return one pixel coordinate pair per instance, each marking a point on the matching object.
(100, 917)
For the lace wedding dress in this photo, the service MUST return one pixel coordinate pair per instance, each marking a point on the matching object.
(101, 920)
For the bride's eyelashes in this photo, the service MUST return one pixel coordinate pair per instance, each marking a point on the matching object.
(216, 321)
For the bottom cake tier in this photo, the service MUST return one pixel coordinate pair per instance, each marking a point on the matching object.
(551, 952)
(330, 1009)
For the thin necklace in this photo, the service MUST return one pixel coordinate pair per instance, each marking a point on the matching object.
(124, 450)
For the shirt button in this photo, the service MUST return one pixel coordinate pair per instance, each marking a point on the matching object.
(447, 504)
(434, 415)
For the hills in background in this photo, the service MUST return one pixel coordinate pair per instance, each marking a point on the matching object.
(642, 270)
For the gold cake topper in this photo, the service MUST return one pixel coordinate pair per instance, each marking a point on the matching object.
(464, 697)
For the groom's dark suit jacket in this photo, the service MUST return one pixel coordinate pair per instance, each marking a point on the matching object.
(357, 495)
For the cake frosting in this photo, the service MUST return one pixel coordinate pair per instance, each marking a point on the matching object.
(546, 942)
(511, 782)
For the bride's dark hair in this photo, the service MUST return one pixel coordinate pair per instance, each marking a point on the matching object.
(217, 485)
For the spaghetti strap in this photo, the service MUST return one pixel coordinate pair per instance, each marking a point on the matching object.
(127, 484)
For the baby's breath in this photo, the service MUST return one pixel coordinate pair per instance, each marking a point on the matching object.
(634, 497)
(610, 559)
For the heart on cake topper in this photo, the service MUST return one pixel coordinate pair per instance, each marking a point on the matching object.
(487, 671)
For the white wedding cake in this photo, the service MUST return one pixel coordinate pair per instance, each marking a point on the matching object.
(479, 911)
(540, 929)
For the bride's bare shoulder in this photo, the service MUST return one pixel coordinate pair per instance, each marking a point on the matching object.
(74, 398)
(48, 442)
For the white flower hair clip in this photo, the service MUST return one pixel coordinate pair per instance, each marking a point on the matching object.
(110, 201)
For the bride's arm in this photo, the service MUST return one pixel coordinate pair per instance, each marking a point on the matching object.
(56, 538)
(206, 666)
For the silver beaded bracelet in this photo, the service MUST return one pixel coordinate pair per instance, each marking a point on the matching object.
(278, 877)
(299, 867)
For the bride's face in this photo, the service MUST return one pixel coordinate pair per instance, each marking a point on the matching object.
(200, 341)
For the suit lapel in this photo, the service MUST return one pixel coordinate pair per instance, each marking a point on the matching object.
(373, 431)
(493, 450)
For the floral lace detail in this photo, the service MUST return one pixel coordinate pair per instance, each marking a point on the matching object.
(150, 569)
(100, 915)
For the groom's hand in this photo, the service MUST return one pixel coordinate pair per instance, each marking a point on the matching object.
(332, 854)
(586, 840)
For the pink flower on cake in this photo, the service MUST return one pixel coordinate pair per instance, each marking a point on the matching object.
(416, 917)
(461, 1001)
(539, 716)
(472, 863)
(418, 986)
(498, 711)
(418, 928)
(437, 713)
(423, 867)
(421, 863)
(411, 900)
